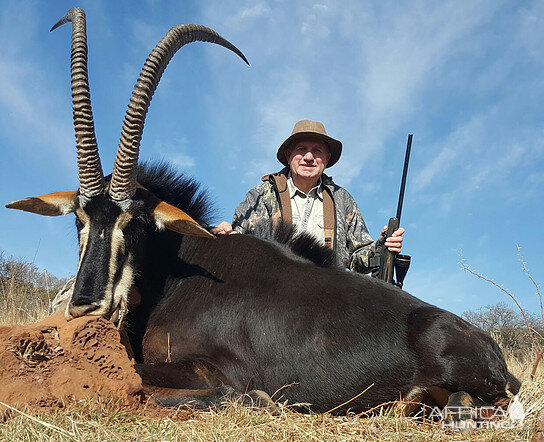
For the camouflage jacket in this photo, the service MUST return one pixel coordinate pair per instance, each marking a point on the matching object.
(353, 244)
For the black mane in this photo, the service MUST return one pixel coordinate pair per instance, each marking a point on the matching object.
(303, 244)
(177, 189)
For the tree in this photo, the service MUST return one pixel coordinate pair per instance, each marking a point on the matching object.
(508, 327)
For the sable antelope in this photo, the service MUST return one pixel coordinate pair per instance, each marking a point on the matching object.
(237, 312)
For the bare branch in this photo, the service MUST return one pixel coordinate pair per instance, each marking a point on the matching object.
(535, 366)
(467, 268)
(537, 287)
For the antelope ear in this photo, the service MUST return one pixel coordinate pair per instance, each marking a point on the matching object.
(50, 204)
(172, 218)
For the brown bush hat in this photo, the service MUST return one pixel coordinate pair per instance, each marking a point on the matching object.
(311, 129)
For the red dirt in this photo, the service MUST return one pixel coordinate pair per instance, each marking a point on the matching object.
(56, 360)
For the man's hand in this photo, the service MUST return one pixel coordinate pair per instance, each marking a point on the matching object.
(224, 228)
(394, 242)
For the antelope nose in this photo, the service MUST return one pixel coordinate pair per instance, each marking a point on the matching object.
(75, 311)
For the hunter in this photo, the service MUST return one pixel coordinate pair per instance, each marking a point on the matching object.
(302, 194)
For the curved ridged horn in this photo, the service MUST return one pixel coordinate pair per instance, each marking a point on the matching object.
(91, 178)
(123, 181)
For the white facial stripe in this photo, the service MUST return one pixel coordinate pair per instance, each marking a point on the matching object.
(122, 221)
(83, 235)
(83, 217)
(83, 241)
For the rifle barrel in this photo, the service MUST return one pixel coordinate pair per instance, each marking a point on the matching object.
(404, 173)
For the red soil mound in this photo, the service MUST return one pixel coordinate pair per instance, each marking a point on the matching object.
(56, 360)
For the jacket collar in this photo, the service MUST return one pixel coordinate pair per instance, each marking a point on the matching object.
(325, 179)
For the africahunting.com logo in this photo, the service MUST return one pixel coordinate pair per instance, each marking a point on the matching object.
(463, 418)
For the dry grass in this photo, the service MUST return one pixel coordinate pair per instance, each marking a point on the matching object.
(22, 305)
(25, 291)
(109, 421)
(105, 421)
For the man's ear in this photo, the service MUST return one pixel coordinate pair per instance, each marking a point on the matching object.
(166, 216)
(50, 204)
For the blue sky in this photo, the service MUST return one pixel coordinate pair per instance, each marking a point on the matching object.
(464, 77)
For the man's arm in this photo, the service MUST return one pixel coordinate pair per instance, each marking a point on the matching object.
(361, 246)
(259, 205)
(244, 215)
(367, 258)
(364, 252)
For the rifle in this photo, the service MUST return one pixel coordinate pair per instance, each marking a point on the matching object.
(389, 260)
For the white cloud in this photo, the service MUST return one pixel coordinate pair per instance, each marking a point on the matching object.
(434, 168)
(172, 151)
(244, 15)
(254, 11)
(27, 101)
(531, 30)
(536, 178)
(400, 54)
(321, 7)
(145, 34)
(314, 27)
(181, 160)
(458, 144)
(486, 173)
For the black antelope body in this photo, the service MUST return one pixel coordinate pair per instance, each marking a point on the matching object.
(236, 312)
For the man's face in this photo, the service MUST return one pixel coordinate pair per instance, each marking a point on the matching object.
(308, 158)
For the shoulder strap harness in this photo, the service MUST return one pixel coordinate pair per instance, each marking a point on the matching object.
(329, 218)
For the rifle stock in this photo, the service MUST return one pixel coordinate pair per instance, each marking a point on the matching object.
(387, 263)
